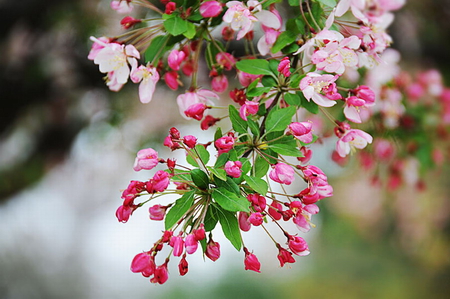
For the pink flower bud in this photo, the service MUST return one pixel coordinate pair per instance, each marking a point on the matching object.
(170, 8)
(251, 262)
(190, 141)
(244, 224)
(282, 173)
(159, 182)
(365, 93)
(175, 58)
(225, 60)
(143, 262)
(178, 245)
(195, 111)
(307, 155)
(208, 122)
(233, 168)
(123, 213)
(302, 131)
(224, 144)
(170, 144)
(284, 256)
(248, 108)
(258, 202)
(183, 266)
(227, 33)
(128, 22)
(274, 209)
(157, 212)
(298, 245)
(191, 243)
(210, 9)
(284, 66)
(200, 233)
(256, 219)
(146, 159)
(171, 79)
(212, 250)
(219, 83)
(161, 274)
(167, 235)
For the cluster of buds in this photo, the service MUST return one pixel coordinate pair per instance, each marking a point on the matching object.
(303, 68)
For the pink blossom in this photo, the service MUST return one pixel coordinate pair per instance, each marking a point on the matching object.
(251, 261)
(204, 96)
(170, 8)
(317, 87)
(99, 44)
(284, 66)
(307, 155)
(233, 168)
(178, 245)
(168, 141)
(191, 243)
(208, 122)
(148, 76)
(274, 210)
(190, 141)
(225, 60)
(145, 159)
(161, 274)
(282, 173)
(224, 144)
(284, 256)
(351, 140)
(200, 233)
(128, 22)
(298, 246)
(219, 83)
(256, 219)
(143, 262)
(383, 149)
(183, 266)
(245, 79)
(244, 224)
(210, 9)
(196, 111)
(175, 58)
(124, 212)
(171, 79)
(114, 59)
(159, 182)
(132, 191)
(302, 131)
(248, 108)
(157, 212)
(122, 6)
(258, 202)
(212, 250)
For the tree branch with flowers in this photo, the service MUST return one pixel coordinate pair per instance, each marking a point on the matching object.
(320, 62)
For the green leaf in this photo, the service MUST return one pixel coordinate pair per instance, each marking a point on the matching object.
(300, 25)
(202, 154)
(211, 218)
(200, 178)
(219, 173)
(254, 66)
(261, 167)
(229, 185)
(258, 185)
(180, 208)
(211, 51)
(191, 30)
(308, 105)
(221, 160)
(278, 120)
(329, 3)
(284, 39)
(156, 48)
(255, 92)
(292, 99)
(246, 165)
(230, 201)
(176, 25)
(239, 125)
(230, 228)
(218, 133)
(181, 175)
(254, 128)
(294, 2)
(286, 150)
(268, 81)
(273, 65)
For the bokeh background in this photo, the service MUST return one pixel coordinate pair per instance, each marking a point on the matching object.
(67, 146)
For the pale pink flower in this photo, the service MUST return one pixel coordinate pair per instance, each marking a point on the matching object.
(210, 9)
(282, 173)
(233, 168)
(190, 98)
(99, 44)
(145, 159)
(351, 140)
(148, 76)
(266, 42)
(302, 131)
(226, 60)
(175, 59)
(317, 87)
(122, 6)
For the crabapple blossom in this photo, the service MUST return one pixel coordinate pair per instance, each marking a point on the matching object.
(157, 212)
(171, 79)
(191, 243)
(282, 173)
(251, 261)
(190, 141)
(178, 245)
(146, 159)
(284, 256)
(301, 131)
(274, 209)
(256, 219)
(161, 274)
(183, 266)
(224, 144)
(233, 168)
(200, 96)
(213, 250)
(248, 108)
(258, 202)
(244, 223)
(128, 22)
(352, 139)
(298, 245)
(122, 6)
(219, 83)
(210, 9)
(144, 263)
(320, 88)
(284, 66)
(124, 212)
(175, 59)
(148, 76)
(158, 183)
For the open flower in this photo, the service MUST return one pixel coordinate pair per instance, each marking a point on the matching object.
(148, 76)
(320, 88)
(145, 159)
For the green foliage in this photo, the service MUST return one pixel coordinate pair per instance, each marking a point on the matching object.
(180, 208)
(230, 201)
(254, 66)
(230, 228)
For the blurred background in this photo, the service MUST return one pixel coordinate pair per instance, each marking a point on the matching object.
(67, 146)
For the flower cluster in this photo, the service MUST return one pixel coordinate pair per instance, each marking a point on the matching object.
(305, 66)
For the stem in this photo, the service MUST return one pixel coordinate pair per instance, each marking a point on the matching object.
(312, 17)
